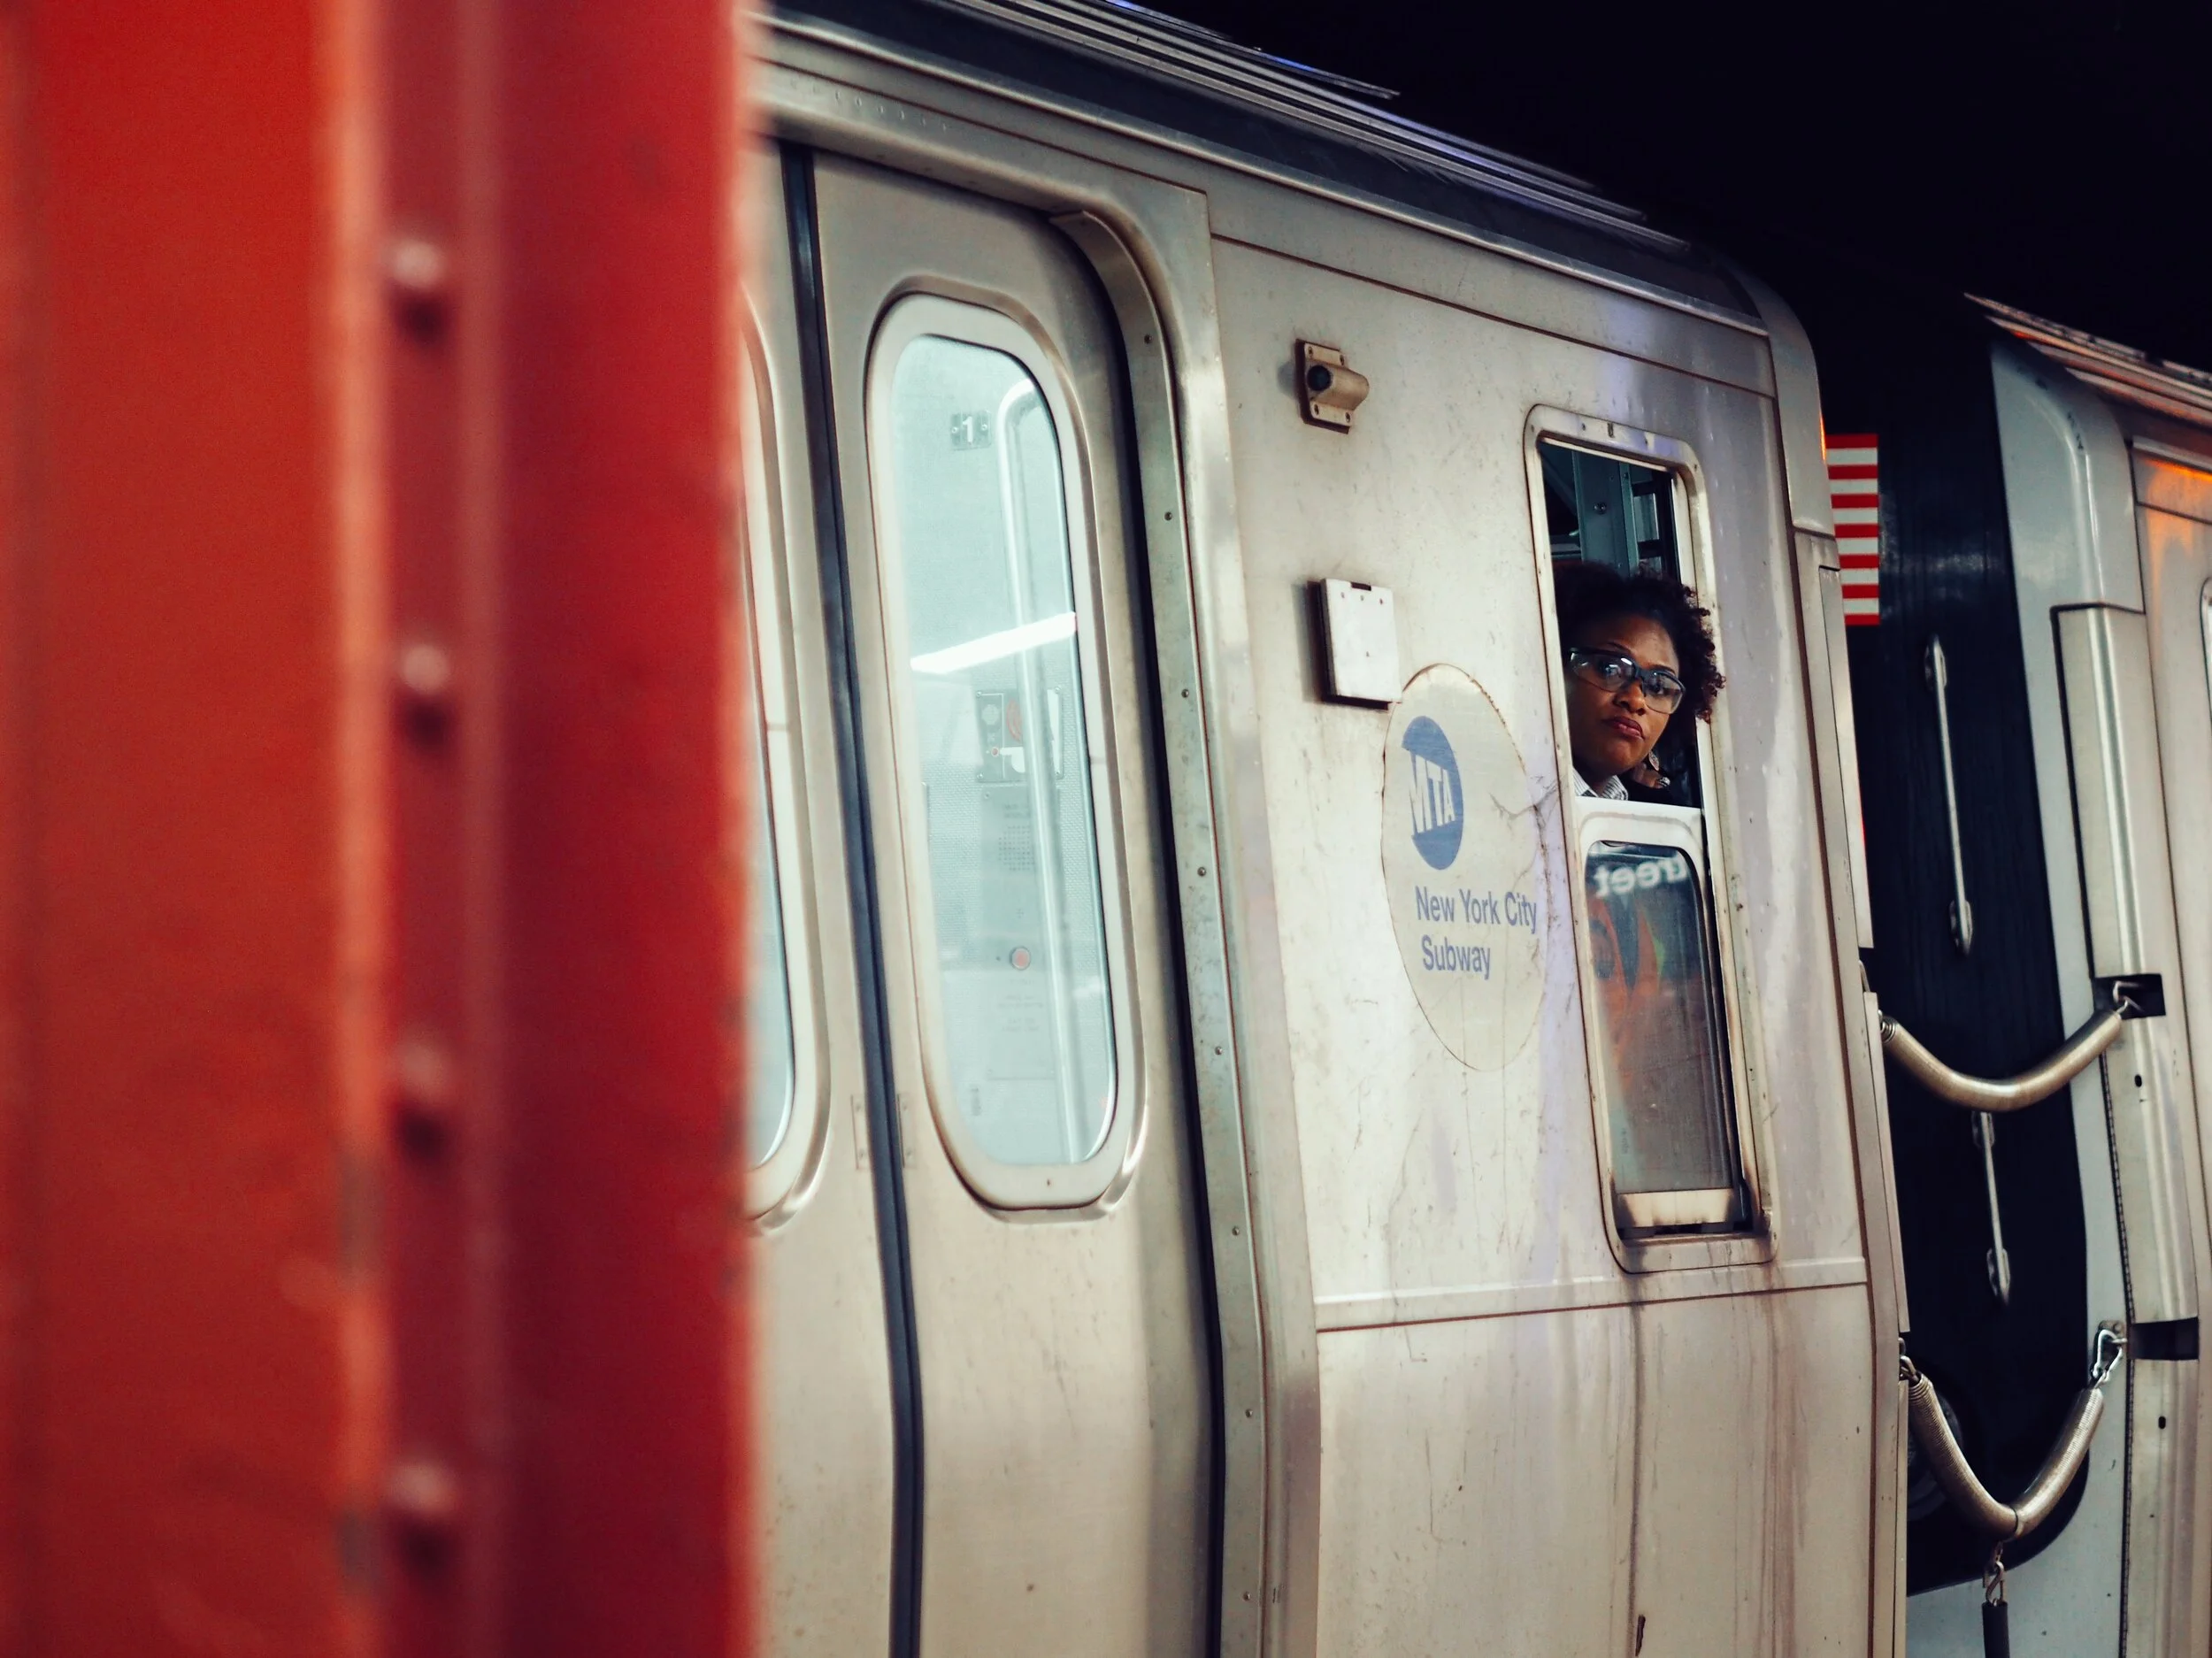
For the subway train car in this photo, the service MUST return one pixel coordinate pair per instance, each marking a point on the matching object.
(2036, 758)
(1244, 1157)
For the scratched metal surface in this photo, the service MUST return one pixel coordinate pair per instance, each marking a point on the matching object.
(1448, 1205)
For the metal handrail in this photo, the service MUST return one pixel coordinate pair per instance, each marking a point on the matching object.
(2012, 1094)
(2004, 1521)
(1939, 672)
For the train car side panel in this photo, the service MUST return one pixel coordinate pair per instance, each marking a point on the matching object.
(1441, 1188)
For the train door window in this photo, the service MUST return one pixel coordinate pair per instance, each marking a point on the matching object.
(1654, 955)
(770, 1046)
(987, 578)
(781, 1115)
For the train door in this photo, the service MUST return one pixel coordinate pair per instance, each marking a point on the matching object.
(2174, 527)
(1036, 1189)
(2174, 538)
(828, 1433)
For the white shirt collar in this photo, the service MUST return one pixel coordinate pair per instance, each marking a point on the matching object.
(1612, 788)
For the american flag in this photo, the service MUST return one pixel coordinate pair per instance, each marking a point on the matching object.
(1855, 492)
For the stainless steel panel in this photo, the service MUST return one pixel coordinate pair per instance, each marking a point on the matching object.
(2172, 480)
(2067, 489)
(1064, 1396)
(2119, 810)
(1438, 1191)
(1427, 259)
(1835, 764)
(1835, 719)
(2072, 524)
(854, 94)
(1170, 51)
(825, 1390)
(1403, 1145)
(1461, 495)
(1265, 1353)
(2177, 581)
(2165, 1590)
(1754, 1451)
(1480, 1487)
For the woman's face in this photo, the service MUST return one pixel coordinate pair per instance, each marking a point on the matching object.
(1611, 732)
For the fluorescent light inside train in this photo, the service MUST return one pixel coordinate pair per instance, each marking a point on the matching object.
(1009, 642)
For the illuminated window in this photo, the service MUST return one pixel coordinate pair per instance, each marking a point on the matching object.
(999, 719)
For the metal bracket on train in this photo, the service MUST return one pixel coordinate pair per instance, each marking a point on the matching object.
(2134, 996)
(2002, 1522)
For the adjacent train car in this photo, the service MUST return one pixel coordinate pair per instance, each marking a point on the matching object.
(2036, 756)
(1247, 1160)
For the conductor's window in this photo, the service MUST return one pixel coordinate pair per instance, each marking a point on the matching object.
(1662, 1038)
(1613, 528)
(1638, 674)
(1000, 707)
(1610, 512)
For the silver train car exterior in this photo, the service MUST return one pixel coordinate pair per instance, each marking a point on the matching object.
(1213, 1189)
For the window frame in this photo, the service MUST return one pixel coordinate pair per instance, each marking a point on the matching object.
(2204, 632)
(1002, 1186)
(1584, 821)
(761, 693)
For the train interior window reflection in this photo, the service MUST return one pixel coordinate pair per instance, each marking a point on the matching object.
(997, 698)
(1662, 1036)
(771, 1052)
(1611, 512)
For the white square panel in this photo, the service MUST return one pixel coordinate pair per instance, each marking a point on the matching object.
(1360, 629)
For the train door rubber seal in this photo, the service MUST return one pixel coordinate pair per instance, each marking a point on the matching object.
(887, 1161)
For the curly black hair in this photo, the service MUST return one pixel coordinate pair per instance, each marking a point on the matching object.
(1589, 593)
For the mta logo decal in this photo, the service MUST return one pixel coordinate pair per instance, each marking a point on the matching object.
(1440, 807)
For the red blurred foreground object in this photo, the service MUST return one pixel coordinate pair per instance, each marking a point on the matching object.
(365, 902)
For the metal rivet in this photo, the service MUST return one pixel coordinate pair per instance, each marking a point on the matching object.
(425, 670)
(418, 269)
(423, 1494)
(423, 1087)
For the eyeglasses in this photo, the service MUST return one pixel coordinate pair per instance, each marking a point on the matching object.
(1613, 672)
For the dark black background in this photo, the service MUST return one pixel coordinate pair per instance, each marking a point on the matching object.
(2055, 157)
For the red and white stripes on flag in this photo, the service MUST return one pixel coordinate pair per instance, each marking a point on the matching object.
(1855, 493)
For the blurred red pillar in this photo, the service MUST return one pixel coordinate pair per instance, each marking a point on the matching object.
(365, 892)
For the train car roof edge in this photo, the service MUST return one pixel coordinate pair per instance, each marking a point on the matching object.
(2121, 373)
(1328, 130)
